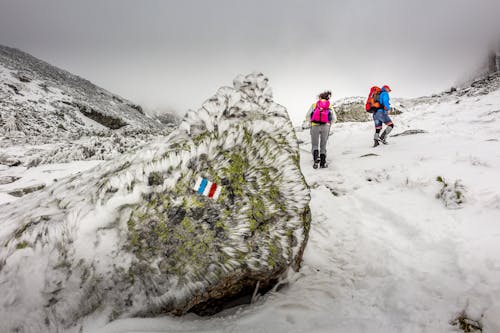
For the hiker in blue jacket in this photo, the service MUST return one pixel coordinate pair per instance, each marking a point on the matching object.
(382, 117)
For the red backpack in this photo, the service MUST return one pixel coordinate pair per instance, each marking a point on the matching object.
(373, 101)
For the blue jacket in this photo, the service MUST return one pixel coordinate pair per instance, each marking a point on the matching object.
(385, 103)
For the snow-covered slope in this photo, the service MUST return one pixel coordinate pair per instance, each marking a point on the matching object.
(39, 99)
(385, 254)
(53, 116)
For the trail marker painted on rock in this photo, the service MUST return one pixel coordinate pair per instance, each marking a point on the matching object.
(205, 187)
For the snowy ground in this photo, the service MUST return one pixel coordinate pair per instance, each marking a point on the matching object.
(384, 255)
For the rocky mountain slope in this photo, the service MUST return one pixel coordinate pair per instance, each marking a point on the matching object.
(352, 109)
(41, 105)
(134, 237)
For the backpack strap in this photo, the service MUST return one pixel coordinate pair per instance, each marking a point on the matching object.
(312, 112)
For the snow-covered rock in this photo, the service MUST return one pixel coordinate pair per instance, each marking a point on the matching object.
(352, 109)
(131, 237)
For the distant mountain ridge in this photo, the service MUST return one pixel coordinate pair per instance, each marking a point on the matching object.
(38, 99)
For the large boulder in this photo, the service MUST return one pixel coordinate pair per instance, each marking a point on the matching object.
(351, 109)
(132, 237)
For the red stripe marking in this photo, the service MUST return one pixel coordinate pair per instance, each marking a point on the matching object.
(212, 190)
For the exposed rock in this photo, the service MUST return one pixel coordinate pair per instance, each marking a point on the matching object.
(9, 161)
(26, 190)
(395, 110)
(101, 118)
(14, 88)
(8, 179)
(136, 107)
(23, 77)
(132, 238)
(166, 118)
(480, 86)
(352, 109)
(410, 132)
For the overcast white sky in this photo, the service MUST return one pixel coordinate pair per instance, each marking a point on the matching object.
(175, 54)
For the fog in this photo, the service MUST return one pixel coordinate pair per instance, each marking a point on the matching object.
(172, 55)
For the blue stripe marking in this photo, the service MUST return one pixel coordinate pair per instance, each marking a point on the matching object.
(203, 184)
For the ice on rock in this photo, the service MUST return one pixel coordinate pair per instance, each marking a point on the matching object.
(132, 238)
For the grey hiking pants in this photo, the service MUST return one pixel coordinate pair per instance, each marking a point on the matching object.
(319, 137)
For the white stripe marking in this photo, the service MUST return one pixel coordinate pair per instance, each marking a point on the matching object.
(217, 193)
(198, 183)
(207, 188)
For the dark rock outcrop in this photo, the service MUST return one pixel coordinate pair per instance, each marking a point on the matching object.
(410, 132)
(101, 118)
(8, 179)
(26, 190)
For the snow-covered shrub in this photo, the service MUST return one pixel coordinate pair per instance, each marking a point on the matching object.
(452, 196)
(466, 324)
(90, 148)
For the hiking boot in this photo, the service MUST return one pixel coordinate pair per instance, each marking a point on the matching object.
(315, 159)
(382, 138)
(384, 134)
(322, 163)
(375, 143)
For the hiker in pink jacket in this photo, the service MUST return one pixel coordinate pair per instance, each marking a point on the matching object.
(320, 115)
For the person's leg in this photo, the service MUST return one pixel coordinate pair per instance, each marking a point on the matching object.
(322, 161)
(315, 133)
(390, 125)
(378, 128)
(386, 132)
(324, 133)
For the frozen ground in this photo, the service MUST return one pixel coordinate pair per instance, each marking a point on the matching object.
(384, 255)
